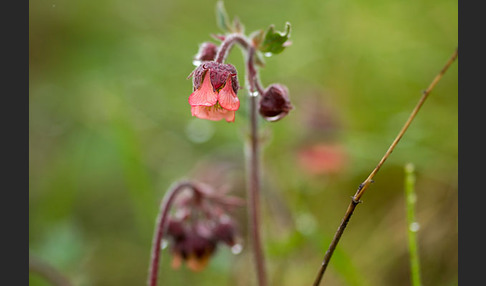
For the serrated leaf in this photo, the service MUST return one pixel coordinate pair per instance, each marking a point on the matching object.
(222, 17)
(275, 41)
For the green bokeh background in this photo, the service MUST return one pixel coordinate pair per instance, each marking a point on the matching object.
(111, 130)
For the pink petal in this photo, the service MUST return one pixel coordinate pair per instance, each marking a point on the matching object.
(213, 113)
(205, 95)
(227, 97)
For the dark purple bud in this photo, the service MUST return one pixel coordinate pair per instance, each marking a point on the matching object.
(207, 52)
(201, 246)
(225, 232)
(275, 102)
(175, 229)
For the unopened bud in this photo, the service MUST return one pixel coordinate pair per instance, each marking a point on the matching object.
(207, 52)
(275, 102)
(175, 229)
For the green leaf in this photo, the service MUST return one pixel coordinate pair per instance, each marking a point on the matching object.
(222, 17)
(275, 41)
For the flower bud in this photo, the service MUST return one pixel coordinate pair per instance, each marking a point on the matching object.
(225, 232)
(175, 229)
(275, 102)
(207, 52)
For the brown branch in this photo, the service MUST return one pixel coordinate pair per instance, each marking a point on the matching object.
(364, 186)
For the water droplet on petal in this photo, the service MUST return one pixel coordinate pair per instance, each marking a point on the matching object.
(196, 63)
(236, 249)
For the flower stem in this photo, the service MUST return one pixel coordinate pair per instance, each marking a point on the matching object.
(252, 149)
(363, 186)
(160, 226)
(253, 171)
(228, 43)
(412, 226)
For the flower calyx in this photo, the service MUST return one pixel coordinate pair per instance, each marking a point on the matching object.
(215, 88)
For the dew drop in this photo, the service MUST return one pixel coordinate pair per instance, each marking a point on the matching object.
(164, 243)
(414, 226)
(254, 94)
(236, 249)
(196, 63)
(268, 54)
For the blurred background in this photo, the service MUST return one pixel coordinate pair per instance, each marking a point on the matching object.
(111, 130)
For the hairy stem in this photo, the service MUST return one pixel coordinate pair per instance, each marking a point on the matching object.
(160, 226)
(364, 186)
(252, 149)
(253, 172)
(228, 43)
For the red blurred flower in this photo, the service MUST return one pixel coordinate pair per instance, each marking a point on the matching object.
(215, 92)
(322, 158)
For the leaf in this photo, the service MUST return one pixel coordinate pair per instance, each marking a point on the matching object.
(238, 26)
(257, 37)
(275, 41)
(222, 17)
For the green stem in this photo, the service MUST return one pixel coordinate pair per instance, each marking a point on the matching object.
(412, 224)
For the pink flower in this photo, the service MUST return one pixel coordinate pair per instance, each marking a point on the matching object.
(322, 158)
(215, 89)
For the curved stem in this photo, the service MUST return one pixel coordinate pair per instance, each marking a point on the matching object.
(160, 228)
(228, 43)
(363, 186)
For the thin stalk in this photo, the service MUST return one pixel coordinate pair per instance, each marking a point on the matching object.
(228, 43)
(252, 149)
(364, 186)
(253, 173)
(160, 226)
(411, 198)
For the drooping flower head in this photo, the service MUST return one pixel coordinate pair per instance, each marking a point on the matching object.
(200, 224)
(215, 92)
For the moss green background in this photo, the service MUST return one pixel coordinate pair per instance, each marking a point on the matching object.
(111, 130)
